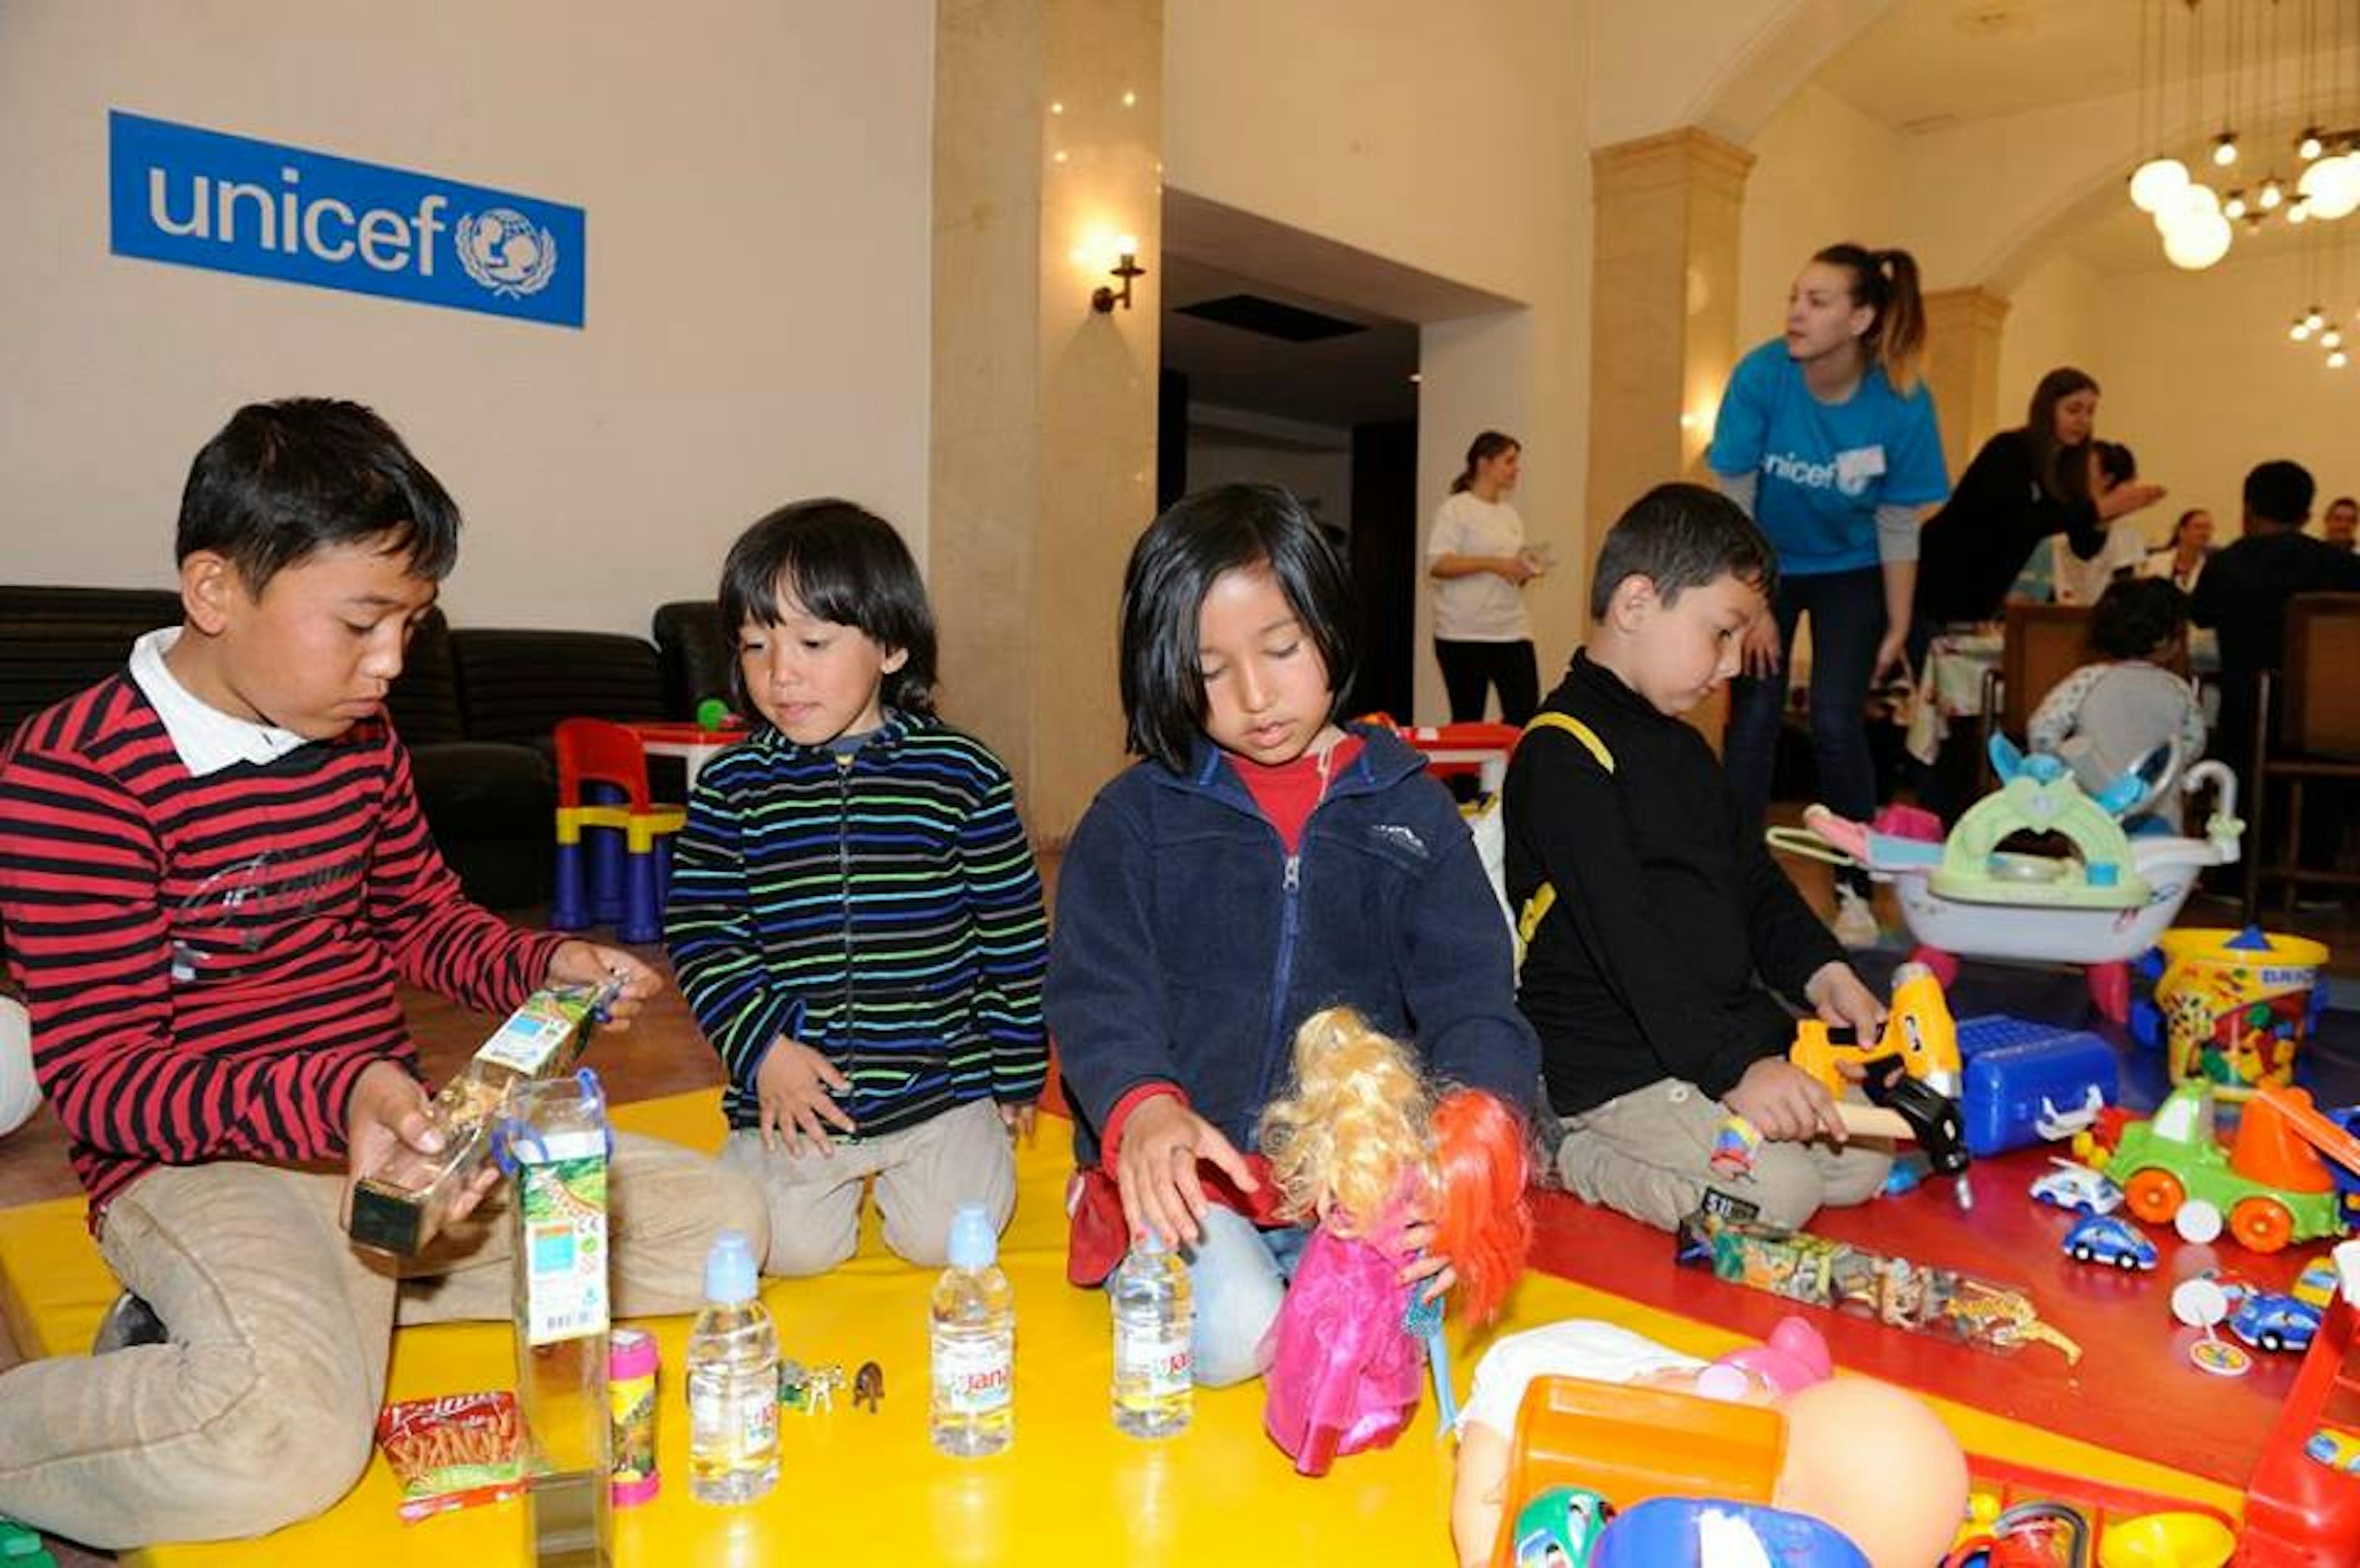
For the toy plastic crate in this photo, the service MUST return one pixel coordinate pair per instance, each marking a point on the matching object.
(2016, 1072)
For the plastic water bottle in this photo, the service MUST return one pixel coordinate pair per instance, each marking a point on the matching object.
(1154, 1326)
(973, 1411)
(733, 1382)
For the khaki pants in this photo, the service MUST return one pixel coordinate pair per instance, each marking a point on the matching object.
(1648, 1153)
(261, 1409)
(924, 1173)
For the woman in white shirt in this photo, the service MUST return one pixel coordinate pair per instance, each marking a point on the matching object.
(2184, 558)
(1479, 564)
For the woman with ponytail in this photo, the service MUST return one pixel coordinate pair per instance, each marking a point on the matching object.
(1827, 436)
(1479, 564)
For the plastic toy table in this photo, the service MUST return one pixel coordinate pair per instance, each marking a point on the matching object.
(857, 1488)
(694, 743)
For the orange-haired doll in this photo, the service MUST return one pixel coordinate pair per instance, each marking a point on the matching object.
(1387, 1169)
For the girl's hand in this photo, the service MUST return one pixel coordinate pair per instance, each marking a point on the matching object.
(2128, 497)
(1759, 657)
(1155, 1168)
(1516, 569)
(793, 1087)
(1019, 1119)
(588, 964)
(1426, 1264)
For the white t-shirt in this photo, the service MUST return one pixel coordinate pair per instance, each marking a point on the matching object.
(1571, 1347)
(1481, 606)
(2080, 581)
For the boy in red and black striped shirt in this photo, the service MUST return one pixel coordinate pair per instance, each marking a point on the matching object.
(212, 871)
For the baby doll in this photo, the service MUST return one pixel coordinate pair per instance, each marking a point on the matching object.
(1362, 1146)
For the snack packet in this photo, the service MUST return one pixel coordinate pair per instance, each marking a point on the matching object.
(454, 1452)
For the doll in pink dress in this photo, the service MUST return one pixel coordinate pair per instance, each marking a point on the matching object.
(1363, 1145)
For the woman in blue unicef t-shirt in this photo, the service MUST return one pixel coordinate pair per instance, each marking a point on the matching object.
(1827, 436)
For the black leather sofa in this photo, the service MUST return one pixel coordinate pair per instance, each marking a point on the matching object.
(475, 706)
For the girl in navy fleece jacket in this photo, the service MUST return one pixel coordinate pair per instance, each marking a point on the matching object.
(1260, 861)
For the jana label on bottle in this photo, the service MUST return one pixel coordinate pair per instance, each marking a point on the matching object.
(974, 1379)
(738, 1424)
(1159, 1358)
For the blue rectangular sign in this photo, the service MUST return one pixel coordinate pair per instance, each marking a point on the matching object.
(198, 198)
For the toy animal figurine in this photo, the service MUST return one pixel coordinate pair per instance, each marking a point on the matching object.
(1362, 1147)
(821, 1390)
(869, 1386)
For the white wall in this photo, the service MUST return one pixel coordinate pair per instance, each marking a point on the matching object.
(2201, 382)
(1824, 172)
(1448, 138)
(756, 178)
(1320, 477)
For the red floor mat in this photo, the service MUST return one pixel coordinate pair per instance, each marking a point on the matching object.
(2134, 1391)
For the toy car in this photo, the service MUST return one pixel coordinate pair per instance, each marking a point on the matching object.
(2072, 1186)
(2336, 1448)
(2317, 1283)
(2267, 1321)
(2102, 1239)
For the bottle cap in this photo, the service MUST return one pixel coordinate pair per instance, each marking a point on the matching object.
(631, 1352)
(1151, 1243)
(729, 1276)
(974, 1244)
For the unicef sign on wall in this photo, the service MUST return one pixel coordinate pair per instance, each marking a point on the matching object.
(198, 198)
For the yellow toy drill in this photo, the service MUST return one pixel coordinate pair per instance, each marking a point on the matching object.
(1922, 1038)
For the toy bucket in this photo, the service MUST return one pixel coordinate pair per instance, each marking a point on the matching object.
(2236, 1005)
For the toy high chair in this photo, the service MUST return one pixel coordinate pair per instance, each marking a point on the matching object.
(630, 874)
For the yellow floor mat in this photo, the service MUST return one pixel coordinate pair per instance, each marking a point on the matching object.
(857, 1488)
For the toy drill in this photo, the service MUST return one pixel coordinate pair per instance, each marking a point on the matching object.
(1911, 1074)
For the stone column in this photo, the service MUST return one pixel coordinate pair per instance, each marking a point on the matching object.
(1962, 368)
(1663, 316)
(1048, 137)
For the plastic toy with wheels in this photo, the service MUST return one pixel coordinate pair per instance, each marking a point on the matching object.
(2271, 1185)
(2103, 1240)
(2101, 905)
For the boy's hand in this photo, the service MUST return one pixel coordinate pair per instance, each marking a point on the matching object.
(1839, 998)
(1784, 1103)
(389, 1136)
(1155, 1168)
(588, 964)
(793, 1085)
(1021, 1119)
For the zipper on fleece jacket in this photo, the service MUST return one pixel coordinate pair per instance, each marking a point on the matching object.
(1290, 925)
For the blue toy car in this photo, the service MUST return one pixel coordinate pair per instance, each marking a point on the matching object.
(2102, 1238)
(2267, 1321)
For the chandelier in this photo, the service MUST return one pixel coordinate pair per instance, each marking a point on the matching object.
(2237, 150)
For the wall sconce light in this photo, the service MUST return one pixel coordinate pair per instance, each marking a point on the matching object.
(1103, 300)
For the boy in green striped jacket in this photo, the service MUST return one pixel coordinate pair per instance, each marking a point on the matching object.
(855, 914)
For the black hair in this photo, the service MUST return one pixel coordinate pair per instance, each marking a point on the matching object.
(1227, 528)
(1678, 536)
(1886, 282)
(1491, 443)
(2064, 471)
(2279, 491)
(2118, 462)
(2344, 501)
(842, 563)
(283, 480)
(2181, 527)
(2136, 615)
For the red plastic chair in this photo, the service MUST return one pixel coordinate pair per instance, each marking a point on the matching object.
(628, 847)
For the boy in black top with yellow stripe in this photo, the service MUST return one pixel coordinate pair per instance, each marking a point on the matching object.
(1660, 935)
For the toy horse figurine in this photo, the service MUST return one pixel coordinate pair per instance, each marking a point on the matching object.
(1363, 1147)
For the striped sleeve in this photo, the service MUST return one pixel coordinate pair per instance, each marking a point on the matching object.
(1011, 937)
(89, 942)
(709, 933)
(435, 936)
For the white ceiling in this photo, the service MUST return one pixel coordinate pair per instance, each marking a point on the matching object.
(1928, 64)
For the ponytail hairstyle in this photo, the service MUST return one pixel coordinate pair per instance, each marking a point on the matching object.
(2063, 471)
(1886, 282)
(1491, 443)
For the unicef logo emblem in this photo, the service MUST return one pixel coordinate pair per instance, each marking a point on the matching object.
(506, 251)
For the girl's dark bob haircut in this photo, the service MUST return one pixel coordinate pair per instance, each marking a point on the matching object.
(1227, 528)
(841, 563)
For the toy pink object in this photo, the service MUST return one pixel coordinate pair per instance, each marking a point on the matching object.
(1793, 1358)
(1344, 1372)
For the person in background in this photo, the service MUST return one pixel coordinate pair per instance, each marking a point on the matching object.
(1479, 564)
(2111, 714)
(2026, 487)
(2342, 521)
(1827, 437)
(2079, 581)
(2183, 560)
